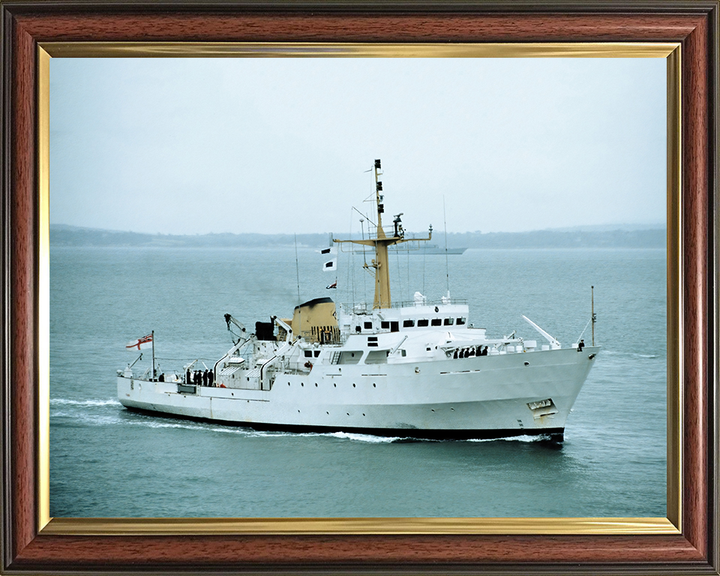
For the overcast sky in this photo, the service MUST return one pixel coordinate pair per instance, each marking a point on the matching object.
(185, 146)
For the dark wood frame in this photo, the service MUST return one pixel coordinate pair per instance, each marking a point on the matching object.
(27, 23)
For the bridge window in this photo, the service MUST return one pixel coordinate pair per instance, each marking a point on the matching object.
(308, 353)
(385, 324)
(460, 321)
(377, 357)
(368, 325)
(422, 323)
(352, 357)
(436, 322)
(449, 321)
(408, 323)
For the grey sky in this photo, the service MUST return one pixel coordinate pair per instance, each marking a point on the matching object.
(184, 146)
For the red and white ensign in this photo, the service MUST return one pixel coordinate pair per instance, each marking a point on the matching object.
(140, 343)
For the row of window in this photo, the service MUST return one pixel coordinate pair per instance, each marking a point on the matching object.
(302, 384)
(349, 357)
(410, 323)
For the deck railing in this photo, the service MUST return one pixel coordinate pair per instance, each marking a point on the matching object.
(366, 308)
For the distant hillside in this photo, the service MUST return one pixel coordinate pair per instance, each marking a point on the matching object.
(562, 239)
(62, 235)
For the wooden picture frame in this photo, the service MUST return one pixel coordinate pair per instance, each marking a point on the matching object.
(30, 545)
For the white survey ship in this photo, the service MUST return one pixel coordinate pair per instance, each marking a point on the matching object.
(415, 369)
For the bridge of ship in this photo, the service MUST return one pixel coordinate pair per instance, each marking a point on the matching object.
(362, 319)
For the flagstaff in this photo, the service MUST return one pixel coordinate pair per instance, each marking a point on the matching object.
(152, 339)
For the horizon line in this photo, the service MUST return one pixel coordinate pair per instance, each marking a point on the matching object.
(628, 226)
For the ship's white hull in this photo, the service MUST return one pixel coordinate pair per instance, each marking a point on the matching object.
(488, 396)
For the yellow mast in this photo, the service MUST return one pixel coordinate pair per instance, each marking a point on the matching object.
(381, 243)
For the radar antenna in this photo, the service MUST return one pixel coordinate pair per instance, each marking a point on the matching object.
(381, 241)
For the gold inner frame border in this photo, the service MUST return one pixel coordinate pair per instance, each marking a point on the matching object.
(671, 51)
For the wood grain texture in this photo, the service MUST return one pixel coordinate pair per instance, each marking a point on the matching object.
(319, 27)
(697, 222)
(689, 553)
(22, 267)
(224, 552)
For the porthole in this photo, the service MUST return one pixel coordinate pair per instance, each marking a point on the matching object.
(374, 386)
(334, 385)
(315, 384)
(302, 384)
(353, 384)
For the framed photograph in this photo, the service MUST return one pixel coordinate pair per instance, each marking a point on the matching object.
(90, 486)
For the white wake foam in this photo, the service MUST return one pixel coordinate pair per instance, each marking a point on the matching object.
(66, 402)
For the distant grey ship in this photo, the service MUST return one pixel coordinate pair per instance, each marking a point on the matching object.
(410, 369)
(427, 249)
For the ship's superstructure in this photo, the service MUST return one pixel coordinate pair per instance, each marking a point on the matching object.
(400, 369)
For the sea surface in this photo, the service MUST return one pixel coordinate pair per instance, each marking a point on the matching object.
(106, 461)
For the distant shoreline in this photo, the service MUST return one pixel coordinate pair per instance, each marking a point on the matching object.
(62, 235)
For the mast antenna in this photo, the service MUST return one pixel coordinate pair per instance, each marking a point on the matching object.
(365, 264)
(380, 242)
(447, 265)
(351, 268)
(593, 318)
(297, 269)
